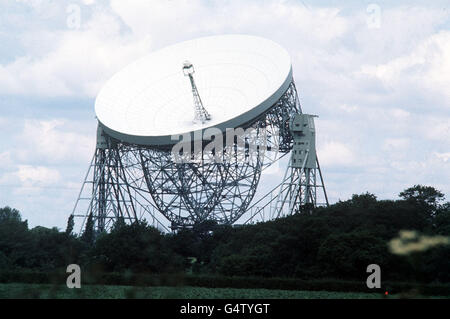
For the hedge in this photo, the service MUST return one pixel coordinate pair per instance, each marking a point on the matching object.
(131, 279)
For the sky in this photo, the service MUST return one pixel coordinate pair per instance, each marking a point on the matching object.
(377, 73)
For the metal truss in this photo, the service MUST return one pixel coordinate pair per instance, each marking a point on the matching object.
(302, 182)
(135, 181)
(299, 191)
(113, 188)
(276, 120)
(201, 114)
(195, 191)
(190, 193)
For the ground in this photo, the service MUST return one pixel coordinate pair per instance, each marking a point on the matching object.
(118, 292)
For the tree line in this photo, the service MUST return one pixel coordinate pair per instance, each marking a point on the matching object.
(336, 242)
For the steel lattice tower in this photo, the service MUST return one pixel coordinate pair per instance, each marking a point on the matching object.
(201, 114)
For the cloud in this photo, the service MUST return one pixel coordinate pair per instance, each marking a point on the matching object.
(196, 16)
(336, 154)
(425, 69)
(78, 65)
(396, 144)
(81, 60)
(29, 180)
(53, 142)
(348, 108)
(381, 93)
(41, 176)
(445, 157)
(5, 159)
(436, 128)
(329, 48)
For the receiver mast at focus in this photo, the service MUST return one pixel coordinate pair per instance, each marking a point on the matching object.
(200, 112)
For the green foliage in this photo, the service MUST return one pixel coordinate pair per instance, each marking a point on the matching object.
(38, 248)
(423, 194)
(427, 198)
(137, 247)
(15, 239)
(119, 223)
(277, 286)
(70, 225)
(115, 292)
(341, 255)
(338, 241)
(441, 222)
(89, 232)
(9, 214)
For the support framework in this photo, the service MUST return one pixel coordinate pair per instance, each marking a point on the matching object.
(302, 182)
(135, 181)
(114, 188)
(299, 186)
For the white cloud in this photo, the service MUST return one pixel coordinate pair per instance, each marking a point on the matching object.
(79, 64)
(426, 68)
(52, 142)
(28, 180)
(5, 159)
(443, 156)
(336, 154)
(348, 108)
(396, 144)
(381, 94)
(82, 60)
(175, 20)
(399, 114)
(40, 176)
(437, 128)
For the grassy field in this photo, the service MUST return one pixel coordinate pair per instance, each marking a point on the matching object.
(119, 292)
(111, 292)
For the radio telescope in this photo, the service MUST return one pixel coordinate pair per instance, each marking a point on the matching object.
(185, 132)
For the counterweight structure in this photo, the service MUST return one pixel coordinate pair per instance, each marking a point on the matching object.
(300, 184)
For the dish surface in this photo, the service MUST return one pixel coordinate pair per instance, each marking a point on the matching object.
(150, 102)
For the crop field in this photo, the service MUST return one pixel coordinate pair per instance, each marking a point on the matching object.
(119, 292)
(123, 292)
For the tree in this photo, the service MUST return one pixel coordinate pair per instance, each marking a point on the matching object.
(426, 198)
(89, 232)
(347, 255)
(15, 240)
(442, 220)
(70, 225)
(423, 194)
(136, 247)
(119, 223)
(9, 214)
(49, 248)
(364, 200)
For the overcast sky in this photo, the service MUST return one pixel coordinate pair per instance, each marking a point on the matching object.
(376, 73)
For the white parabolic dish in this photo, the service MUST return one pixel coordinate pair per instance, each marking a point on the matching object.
(238, 77)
